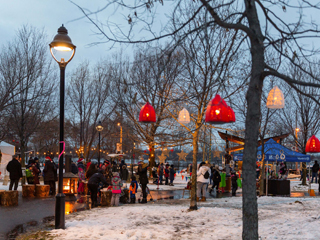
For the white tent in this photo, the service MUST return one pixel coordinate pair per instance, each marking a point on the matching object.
(7, 151)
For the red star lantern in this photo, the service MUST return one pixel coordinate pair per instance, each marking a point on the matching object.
(313, 145)
(147, 114)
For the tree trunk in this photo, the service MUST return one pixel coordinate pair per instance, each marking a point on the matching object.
(193, 192)
(249, 198)
(304, 174)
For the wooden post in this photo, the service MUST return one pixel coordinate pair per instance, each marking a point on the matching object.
(42, 190)
(9, 198)
(28, 190)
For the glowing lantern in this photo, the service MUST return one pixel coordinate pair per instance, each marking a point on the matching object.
(275, 98)
(184, 116)
(147, 114)
(313, 145)
(217, 111)
(171, 150)
(231, 115)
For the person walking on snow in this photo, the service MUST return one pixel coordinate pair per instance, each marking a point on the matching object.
(203, 175)
(133, 189)
(172, 173)
(315, 169)
(143, 178)
(166, 174)
(234, 179)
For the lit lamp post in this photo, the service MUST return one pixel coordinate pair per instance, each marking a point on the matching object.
(60, 45)
(120, 137)
(99, 129)
(297, 130)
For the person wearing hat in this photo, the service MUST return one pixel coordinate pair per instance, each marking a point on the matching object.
(143, 178)
(50, 173)
(216, 179)
(80, 164)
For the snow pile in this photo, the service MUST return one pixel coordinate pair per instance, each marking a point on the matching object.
(297, 187)
(279, 218)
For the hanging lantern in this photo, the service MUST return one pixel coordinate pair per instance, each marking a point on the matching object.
(275, 98)
(217, 111)
(171, 150)
(184, 116)
(231, 115)
(147, 114)
(313, 145)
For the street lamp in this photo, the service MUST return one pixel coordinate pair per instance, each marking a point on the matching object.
(120, 136)
(99, 129)
(61, 44)
(297, 130)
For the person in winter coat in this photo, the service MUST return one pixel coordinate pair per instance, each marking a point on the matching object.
(124, 173)
(91, 170)
(172, 173)
(203, 175)
(216, 179)
(166, 174)
(74, 168)
(50, 173)
(116, 189)
(133, 189)
(35, 172)
(315, 169)
(88, 164)
(160, 173)
(115, 167)
(81, 180)
(80, 164)
(93, 185)
(143, 178)
(14, 168)
(234, 183)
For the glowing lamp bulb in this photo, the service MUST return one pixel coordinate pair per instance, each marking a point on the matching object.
(217, 112)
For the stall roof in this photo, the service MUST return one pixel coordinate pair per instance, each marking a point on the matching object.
(275, 152)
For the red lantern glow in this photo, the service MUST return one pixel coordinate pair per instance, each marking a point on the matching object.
(217, 111)
(147, 114)
(231, 115)
(145, 151)
(171, 150)
(313, 145)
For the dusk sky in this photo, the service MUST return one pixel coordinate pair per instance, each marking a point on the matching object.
(50, 15)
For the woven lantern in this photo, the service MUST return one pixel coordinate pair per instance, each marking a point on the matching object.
(275, 98)
(147, 114)
(184, 116)
(313, 145)
(217, 111)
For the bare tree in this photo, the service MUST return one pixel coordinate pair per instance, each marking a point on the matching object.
(266, 34)
(31, 101)
(89, 98)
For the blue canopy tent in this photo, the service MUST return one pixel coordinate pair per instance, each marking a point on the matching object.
(275, 152)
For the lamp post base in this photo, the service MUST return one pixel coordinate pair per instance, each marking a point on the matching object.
(60, 211)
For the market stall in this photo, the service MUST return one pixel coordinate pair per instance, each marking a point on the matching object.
(275, 154)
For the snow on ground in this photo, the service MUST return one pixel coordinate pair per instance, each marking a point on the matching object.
(279, 218)
(296, 186)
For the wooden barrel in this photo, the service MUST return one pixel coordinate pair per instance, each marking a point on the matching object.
(106, 198)
(28, 190)
(42, 190)
(9, 198)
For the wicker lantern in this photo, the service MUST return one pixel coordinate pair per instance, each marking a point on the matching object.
(275, 98)
(313, 145)
(184, 116)
(147, 114)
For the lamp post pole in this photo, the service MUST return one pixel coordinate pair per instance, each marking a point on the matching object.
(99, 129)
(61, 43)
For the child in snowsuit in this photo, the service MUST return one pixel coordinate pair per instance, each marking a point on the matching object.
(172, 173)
(116, 189)
(133, 189)
(234, 179)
